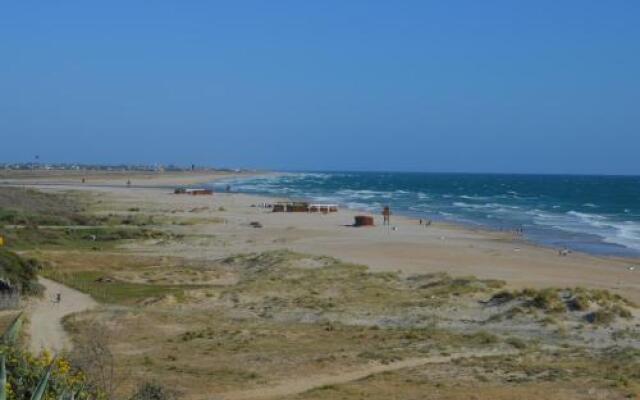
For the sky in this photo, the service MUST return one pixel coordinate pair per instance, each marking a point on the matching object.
(540, 86)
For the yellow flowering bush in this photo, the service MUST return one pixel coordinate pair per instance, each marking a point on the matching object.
(24, 371)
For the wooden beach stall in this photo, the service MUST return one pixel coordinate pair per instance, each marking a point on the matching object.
(194, 191)
(291, 206)
(323, 208)
(301, 206)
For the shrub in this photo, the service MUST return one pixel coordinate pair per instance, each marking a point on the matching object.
(501, 298)
(621, 312)
(40, 377)
(153, 391)
(600, 317)
(482, 338)
(517, 343)
(548, 300)
(19, 273)
(579, 303)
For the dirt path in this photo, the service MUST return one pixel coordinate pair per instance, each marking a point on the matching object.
(45, 329)
(304, 384)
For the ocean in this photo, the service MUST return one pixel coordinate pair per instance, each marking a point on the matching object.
(593, 214)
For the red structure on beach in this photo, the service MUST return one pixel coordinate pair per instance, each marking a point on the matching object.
(363, 220)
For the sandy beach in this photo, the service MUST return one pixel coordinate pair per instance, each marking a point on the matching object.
(410, 248)
(113, 178)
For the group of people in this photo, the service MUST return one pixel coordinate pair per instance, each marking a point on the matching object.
(563, 252)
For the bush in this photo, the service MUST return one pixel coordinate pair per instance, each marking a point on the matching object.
(18, 273)
(41, 377)
(600, 317)
(502, 297)
(517, 343)
(153, 391)
(621, 312)
(548, 300)
(32, 207)
(579, 303)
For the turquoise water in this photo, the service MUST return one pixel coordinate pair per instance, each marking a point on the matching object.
(595, 214)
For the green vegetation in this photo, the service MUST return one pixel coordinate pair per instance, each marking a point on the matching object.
(599, 307)
(441, 284)
(517, 343)
(268, 314)
(34, 219)
(77, 238)
(153, 391)
(23, 376)
(575, 374)
(19, 273)
(19, 206)
(618, 367)
(607, 315)
(283, 280)
(108, 290)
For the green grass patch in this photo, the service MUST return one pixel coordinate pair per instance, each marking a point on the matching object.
(597, 306)
(283, 280)
(107, 290)
(19, 273)
(19, 206)
(97, 238)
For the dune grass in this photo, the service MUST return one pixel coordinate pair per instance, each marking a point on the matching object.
(107, 290)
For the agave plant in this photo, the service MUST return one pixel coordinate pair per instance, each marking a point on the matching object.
(9, 339)
(3, 378)
(42, 385)
(10, 336)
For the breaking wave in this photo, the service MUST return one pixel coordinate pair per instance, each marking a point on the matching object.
(552, 210)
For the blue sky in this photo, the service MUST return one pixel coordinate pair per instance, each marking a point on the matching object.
(476, 86)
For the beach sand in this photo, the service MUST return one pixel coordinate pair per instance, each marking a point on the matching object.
(411, 248)
(113, 178)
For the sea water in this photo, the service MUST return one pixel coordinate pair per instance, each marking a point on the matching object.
(594, 214)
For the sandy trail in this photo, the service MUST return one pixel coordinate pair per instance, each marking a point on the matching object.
(304, 384)
(45, 329)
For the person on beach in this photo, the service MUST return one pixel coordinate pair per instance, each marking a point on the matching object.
(386, 214)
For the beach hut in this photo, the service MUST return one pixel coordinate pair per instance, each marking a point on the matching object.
(363, 220)
(291, 206)
(193, 191)
(323, 208)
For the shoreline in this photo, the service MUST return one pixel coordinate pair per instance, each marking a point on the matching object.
(412, 249)
(169, 180)
(475, 227)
